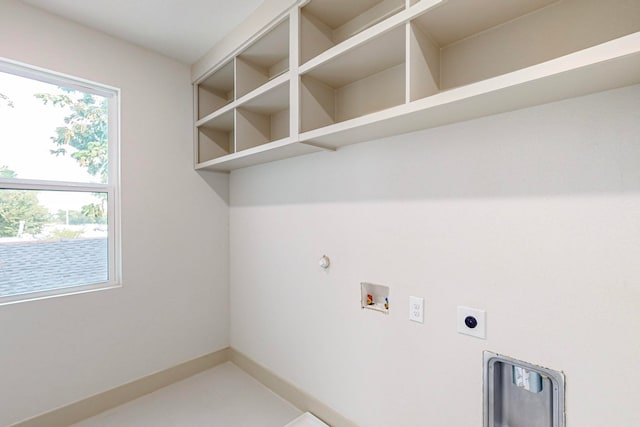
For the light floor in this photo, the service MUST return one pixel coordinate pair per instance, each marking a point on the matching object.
(224, 396)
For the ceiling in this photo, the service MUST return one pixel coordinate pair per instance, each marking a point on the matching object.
(181, 29)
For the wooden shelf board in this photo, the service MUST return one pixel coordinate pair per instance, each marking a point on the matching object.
(335, 13)
(445, 26)
(377, 54)
(272, 48)
(370, 33)
(223, 121)
(271, 85)
(206, 121)
(272, 151)
(607, 66)
(347, 47)
(271, 101)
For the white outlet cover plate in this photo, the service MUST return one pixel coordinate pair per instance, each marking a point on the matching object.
(416, 309)
(480, 331)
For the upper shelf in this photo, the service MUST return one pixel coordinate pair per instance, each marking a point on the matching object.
(446, 27)
(270, 152)
(608, 66)
(368, 69)
(500, 36)
(498, 48)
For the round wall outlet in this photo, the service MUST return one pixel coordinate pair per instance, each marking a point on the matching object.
(472, 321)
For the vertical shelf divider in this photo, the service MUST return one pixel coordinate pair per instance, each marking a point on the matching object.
(294, 63)
(407, 69)
(234, 132)
(423, 64)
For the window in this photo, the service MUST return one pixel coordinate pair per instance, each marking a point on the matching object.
(58, 184)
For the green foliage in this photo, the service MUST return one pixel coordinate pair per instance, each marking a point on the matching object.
(16, 206)
(84, 136)
(5, 172)
(64, 234)
(85, 130)
(19, 205)
(95, 212)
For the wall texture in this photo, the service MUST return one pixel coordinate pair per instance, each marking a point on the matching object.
(531, 215)
(173, 303)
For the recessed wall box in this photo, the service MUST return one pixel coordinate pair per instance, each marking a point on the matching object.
(521, 394)
(374, 297)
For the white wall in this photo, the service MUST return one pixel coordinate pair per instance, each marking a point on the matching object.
(173, 305)
(531, 215)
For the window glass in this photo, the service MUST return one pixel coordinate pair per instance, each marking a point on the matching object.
(49, 132)
(58, 184)
(51, 240)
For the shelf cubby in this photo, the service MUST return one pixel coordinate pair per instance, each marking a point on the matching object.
(500, 36)
(357, 83)
(326, 23)
(264, 60)
(365, 69)
(216, 91)
(216, 137)
(263, 119)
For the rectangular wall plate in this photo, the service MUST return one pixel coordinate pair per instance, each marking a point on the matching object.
(472, 321)
(416, 309)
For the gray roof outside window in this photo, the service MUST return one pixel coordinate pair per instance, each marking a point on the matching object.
(27, 267)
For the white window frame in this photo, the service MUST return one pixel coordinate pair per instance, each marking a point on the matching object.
(112, 187)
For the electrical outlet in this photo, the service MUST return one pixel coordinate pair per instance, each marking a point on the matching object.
(416, 309)
(472, 321)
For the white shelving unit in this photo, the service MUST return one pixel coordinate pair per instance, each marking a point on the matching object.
(331, 73)
(244, 105)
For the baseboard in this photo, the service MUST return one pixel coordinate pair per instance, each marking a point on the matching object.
(94, 405)
(86, 408)
(289, 392)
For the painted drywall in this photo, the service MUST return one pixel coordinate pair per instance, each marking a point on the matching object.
(530, 215)
(173, 303)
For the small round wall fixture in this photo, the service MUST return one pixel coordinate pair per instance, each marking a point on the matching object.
(324, 262)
